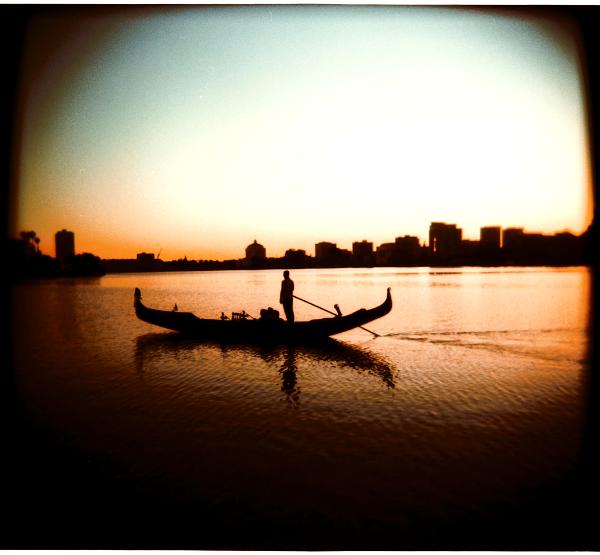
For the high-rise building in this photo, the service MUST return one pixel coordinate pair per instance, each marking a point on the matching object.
(64, 242)
(325, 250)
(296, 257)
(407, 245)
(489, 237)
(384, 254)
(512, 238)
(362, 253)
(444, 240)
(329, 254)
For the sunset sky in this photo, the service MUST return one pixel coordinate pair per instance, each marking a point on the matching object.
(195, 131)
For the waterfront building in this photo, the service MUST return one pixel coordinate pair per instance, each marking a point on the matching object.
(343, 257)
(146, 262)
(325, 250)
(120, 265)
(568, 248)
(328, 254)
(408, 244)
(489, 244)
(470, 249)
(255, 251)
(489, 237)
(362, 253)
(512, 238)
(444, 240)
(408, 250)
(537, 248)
(64, 242)
(256, 254)
(296, 257)
(385, 253)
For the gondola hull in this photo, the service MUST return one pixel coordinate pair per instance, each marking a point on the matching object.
(257, 329)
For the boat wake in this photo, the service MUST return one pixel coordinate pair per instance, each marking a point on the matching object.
(550, 344)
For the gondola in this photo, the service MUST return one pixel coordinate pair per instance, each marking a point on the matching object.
(265, 328)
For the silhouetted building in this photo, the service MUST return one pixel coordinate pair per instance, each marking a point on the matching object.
(444, 241)
(384, 254)
(120, 265)
(256, 254)
(408, 244)
(489, 244)
(65, 245)
(404, 251)
(325, 250)
(536, 248)
(296, 258)
(408, 250)
(328, 254)
(343, 257)
(512, 239)
(469, 250)
(85, 264)
(489, 237)
(568, 248)
(255, 251)
(362, 253)
(146, 262)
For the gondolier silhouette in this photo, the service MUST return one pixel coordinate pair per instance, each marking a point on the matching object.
(286, 297)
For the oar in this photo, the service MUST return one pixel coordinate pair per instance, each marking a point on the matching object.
(317, 306)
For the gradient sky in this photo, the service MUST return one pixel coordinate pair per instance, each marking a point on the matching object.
(197, 130)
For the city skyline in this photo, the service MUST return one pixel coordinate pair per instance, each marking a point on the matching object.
(446, 247)
(259, 248)
(297, 125)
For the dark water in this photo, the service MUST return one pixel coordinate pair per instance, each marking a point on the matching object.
(466, 416)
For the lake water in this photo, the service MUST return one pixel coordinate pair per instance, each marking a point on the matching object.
(468, 407)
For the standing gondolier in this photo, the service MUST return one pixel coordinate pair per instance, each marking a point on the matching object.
(286, 296)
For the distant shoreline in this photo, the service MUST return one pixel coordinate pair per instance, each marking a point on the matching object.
(287, 267)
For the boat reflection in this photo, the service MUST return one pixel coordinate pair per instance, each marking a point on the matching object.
(289, 381)
(288, 359)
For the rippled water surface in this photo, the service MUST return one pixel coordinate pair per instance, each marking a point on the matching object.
(471, 397)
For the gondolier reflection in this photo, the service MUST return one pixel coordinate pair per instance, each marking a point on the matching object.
(286, 296)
